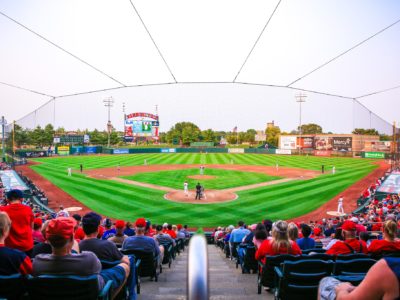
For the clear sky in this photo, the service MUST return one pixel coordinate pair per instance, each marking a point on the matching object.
(201, 41)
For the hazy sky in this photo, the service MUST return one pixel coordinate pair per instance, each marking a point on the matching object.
(201, 41)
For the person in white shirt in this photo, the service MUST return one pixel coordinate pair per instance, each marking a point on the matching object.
(69, 171)
(185, 188)
(340, 205)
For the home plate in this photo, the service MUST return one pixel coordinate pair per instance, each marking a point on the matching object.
(335, 213)
(73, 208)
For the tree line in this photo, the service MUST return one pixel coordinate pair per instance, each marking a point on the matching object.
(182, 133)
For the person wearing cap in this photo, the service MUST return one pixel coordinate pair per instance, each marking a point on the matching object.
(350, 244)
(36, 233)
(60, 234)
(21, 216)
(119, 236)
(180, 235)
(140, 241)
(109, 230)
(163, 238)
(11, 261)
(62, 212)
(340, 205)
(104, 249)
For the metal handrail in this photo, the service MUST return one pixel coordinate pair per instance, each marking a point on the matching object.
(198, 278)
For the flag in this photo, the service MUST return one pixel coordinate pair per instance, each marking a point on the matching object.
(235, 129)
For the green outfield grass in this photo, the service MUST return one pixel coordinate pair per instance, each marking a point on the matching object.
(281, 201)
(223, 178)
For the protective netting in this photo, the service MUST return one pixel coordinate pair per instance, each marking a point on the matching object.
(209, 106)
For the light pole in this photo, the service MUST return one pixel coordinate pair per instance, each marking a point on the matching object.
(3, 123)
(109, 102)
(300, 98)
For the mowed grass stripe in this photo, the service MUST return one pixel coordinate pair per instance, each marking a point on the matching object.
(128, 202)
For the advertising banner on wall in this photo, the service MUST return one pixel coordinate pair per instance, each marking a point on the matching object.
(168, 150)
(305, 142)
(322, 153)
(288, 142)
(235, 150)
(283, 151)
(374, 155)
(391, 184)
(63, 150)
(323, 143)
(342, 143)
(120, 151)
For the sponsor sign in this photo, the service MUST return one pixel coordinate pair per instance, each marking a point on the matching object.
(168, 150)
(283, 151)
(90, 149)
(236, 150)
(63, 150)
(391, 184)
(342, 143)
(36, 153)
(86, 138)
(322, 153)
(374, 155)
(323, 143)
(305, 142)
(56, 140)
(120, 151)
(11, 181)
(288, 142)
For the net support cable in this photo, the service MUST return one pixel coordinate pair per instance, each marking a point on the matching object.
(25, 89)
(378, 92)
(62, 49)
(345, 52)
(154, 42)
(256, 42)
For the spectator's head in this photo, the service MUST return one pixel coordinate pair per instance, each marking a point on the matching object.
(120, 227)
(159, 228)
(140, 226)
(91, 223)
(77, 217)
(37, 224)
(60, 233)
(44, 228)
(240, 223)
(349, 229)
(169, 226)
(179, 226)
(5, 225)
(268, 225)
(364, 236)
(280, 235)
(165, 225)
(107, 223)
(305, 230)
(185, 226)
(293, 231)
(128, 225)
(317, 231)
(260, 233)
(15, 195)
(174, 228)
(390, 230)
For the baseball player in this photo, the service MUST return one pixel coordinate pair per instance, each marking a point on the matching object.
(333, 170)
(340, 205)
(185, 188)
(69, 171)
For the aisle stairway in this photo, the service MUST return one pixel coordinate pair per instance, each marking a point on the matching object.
(226, 282)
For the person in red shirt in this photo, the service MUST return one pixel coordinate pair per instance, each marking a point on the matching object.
(388, 244)
(279, 244)
(350, 244)
(170, 231)
(21, 216)
(12, 261)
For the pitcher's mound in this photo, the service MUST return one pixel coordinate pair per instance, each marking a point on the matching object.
(212, 196)
(201, 177)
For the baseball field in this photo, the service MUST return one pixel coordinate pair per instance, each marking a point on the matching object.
(267, 186)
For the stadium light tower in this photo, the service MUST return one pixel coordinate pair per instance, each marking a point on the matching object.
(300, 98)
(3, 123)
(109, 102)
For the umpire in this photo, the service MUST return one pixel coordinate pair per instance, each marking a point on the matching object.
(198, 191)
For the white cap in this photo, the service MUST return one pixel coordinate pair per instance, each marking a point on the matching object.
(165, 225)
(354, 219)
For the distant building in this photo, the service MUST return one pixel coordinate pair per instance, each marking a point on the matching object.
(271, 124)
(260, 136)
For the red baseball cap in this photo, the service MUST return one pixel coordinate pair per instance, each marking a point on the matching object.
(38, 222)
(349, 225)
(120, 224)
(62, 227)
(179, 226)
(317, 231)
(141, 222)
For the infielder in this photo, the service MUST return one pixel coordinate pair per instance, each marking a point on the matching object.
(69, 171)
(333, 170)
(185, 188)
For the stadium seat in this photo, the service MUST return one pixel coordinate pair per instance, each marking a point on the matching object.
(168, 254)
(300, 279)
(351, 256)
(63, 287)
(353, 270)
(321, 256)
(266, 273)
(146, 265)
(249, 262)
(12, 286)
(316, 250)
